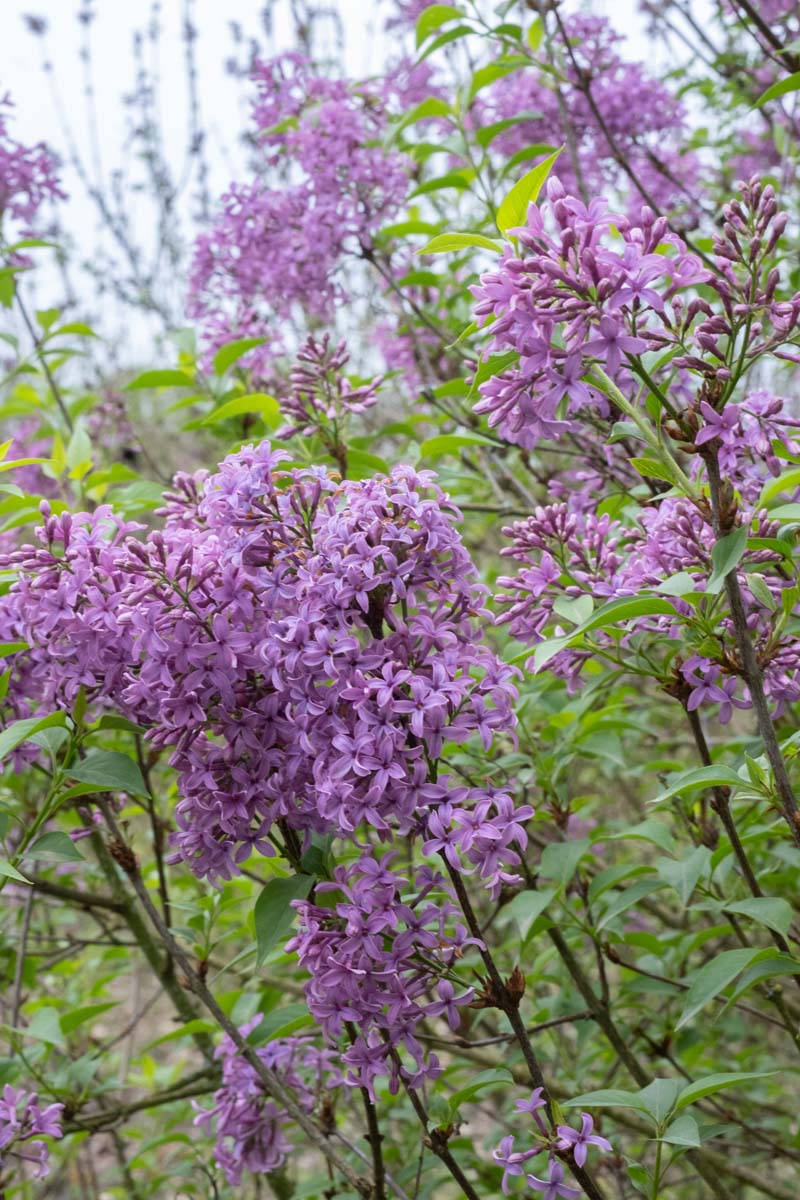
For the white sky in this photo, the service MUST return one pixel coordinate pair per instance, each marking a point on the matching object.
(44, 105)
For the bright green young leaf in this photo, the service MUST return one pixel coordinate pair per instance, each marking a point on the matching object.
(782, 88)
(256, 404)
(451, 443)
(433, 17)
(79, 1016)
(481, 1081)
(159, 379)
(446, 242)
(45, 1026)
(10, 872)
(513, 211)
(560, 860)
(658, 1098)
(231, 352)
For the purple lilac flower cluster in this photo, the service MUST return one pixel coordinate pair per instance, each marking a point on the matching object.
(249, 1125)
(321, 394)
(380, 955)
(28, 174)
(326, 187)
(23, 1123)
(303, 647)
(648, 135)
(600, 290)
(568, 550)
(566, 1141)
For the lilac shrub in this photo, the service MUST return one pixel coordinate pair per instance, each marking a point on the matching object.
(399, 770)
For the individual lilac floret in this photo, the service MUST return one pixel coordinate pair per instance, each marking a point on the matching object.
(532, 1106)
(22, 1124)
(554, 1187)
(578, 1142)
(512, 1160)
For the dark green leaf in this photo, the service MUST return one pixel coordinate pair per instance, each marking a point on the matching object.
(110, 771)
(273, 912)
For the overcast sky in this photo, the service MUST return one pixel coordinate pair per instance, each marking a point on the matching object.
(52, 106)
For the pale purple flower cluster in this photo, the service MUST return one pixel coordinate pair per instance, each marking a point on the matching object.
(321, 394)
(304, 648)
(28, 174)
(327, 186)
(566, 553)
(604, 295)
(565, 1140)
(550, 111)
(599, 290)
(23, 1122)
(380, 960)
(249, 1125)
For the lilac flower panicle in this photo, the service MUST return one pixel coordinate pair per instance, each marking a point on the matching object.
(23, 1122)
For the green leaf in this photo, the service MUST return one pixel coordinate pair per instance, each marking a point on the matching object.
(780, 964)
(258, 403)
(230, 353)
(560, 860)
(683, 1131)
(19, 731)
(513, 211)
(110, 771)
(658, 1098)
(478, 1083)
(527, 906)
(79, 1016)
(782, 88)
(159, 379)
(54, 845)
(273, 912)
(575, 609)
(700, 777)
(446, 242)
(622, 901)
(11, 872)
(624, 609)
(7, 648)
(45, 1027)
(724, 557)
(771, 911)
(606, 1098)
(535, 34)
(651, 468)
(434, 16)
(281, 1022)
(716, 1083)
(684, 873)
(711, 979)
(198, 1025)
(761, 592)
